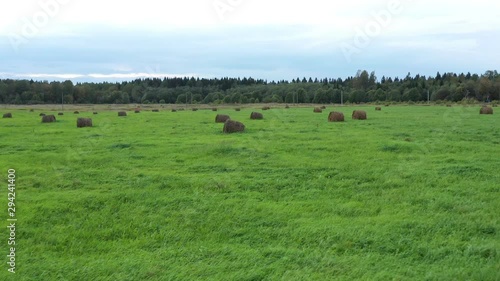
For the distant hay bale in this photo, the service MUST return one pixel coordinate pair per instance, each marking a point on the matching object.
(318, 110)
(237, 109)
(256, 116)
(214, 109)
(156, 110)
(486, 110)
(323, 107)
(336, 117)
(387, 105)
(221, 118)
(174, 110)
(122, 113)
(231, 126)
(95, 112)
(287, 107)
(7, 115)
(266, 108)
(194, 109)
(137, 111)
(41, 114)
(378, 108)
(60, 114)
(48, 119)
(359, 115)
(76, 112)
(83, 122)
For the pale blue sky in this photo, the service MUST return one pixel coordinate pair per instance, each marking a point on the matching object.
(119, 40)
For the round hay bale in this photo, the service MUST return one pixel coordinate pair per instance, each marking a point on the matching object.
(387, 105)
(83, 122)
(60, 114)
(76, 112)
(48, 119)
(317, 110)
(41, 114)
(95, 112)
(221, 118)
(231, 126)
(486, 110)
(137, 111)
(378, 108)
(287, 107)
(359, 115)
(174, 110)
(214, 109)
(7, 115)
(256, 116)
(266, 108)
(323, 107)
(237, 109)
(122, 113)
(156, 110)
(336, 117)
(194, 109)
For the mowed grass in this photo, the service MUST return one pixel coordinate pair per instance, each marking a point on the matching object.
(412, 193)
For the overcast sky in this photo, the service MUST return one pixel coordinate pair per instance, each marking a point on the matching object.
(91, 40)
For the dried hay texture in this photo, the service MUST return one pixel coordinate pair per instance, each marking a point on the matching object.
(336, 117)
(76, 112)
(48, 119)
(266, 108)
(256, 116)
(359, 115)
(486, 110)
(7, 115)
(122, 113)
(83, 122)
(221, 118)
(231, 126)
(317, 110)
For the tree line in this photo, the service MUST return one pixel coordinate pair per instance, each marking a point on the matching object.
(362, 88)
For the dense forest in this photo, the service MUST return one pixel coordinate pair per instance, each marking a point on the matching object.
(363, 87)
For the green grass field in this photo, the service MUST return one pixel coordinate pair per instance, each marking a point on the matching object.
(412, 193)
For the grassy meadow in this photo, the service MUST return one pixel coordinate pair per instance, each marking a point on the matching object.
(412, 193)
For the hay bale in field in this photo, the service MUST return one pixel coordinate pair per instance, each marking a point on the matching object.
(76, 112)
(137, 111)
(221, 118)
(287, 107)
(231, 126)
(194, 109)
(214, 109)
(156, 110)
(318, 110)
(486, 110)
(83, 122)
(7, 115)
(60, 114)
(266, 108)
(237, 109)
(95, 112)
(41, 114)
(174, 110)
(122, 113)
(387, 105)
(256, 116)
(378, 108)
(48, 119)
(359, 115)
(336, 117)
(323, 107)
